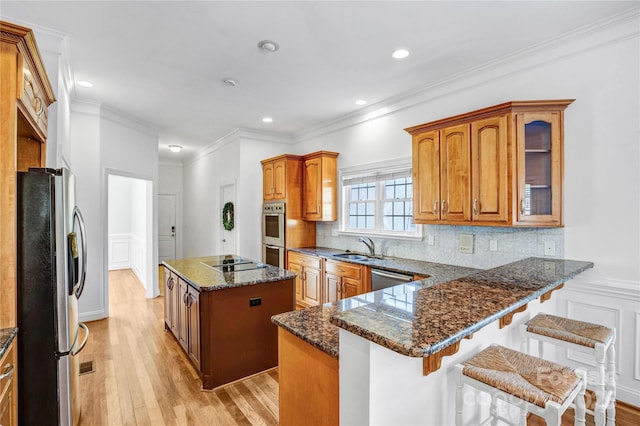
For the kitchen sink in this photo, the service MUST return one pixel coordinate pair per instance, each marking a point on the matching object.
(353, 256)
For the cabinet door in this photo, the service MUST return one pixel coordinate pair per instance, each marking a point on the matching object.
(9, 387)
(268, 188)
(426, 176)
(351, 287)
(312, 287)
(312, 183)
(193, 340)
(297, 269)
(331, 288)
(539, 168)
(489, 167)
(169, 284)
(279, 179)
(183, 319)
(455, 177)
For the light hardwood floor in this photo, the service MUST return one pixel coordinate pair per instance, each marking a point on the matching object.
(142, 376)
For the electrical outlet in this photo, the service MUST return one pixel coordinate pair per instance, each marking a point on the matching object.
(549, 268)
(465, 243)
(493, 245)
(549, 248)
(431, 240)
(255, 301)
(334, 232)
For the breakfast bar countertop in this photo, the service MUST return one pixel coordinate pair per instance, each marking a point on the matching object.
(423, 317)
(425, 321)
(6, 337)
(229, 275)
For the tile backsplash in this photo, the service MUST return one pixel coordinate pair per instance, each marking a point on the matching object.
(512, 244)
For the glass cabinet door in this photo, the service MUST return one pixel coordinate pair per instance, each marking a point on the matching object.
(539, 168)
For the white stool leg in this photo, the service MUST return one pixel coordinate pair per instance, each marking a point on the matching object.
(540, 349)
(552, 415)
(493, 411)
(524, 340)
(599, 412)
(459, 395)
(611, 383)
(580, 408)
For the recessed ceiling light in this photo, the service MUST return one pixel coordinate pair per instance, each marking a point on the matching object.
(85, 83)
(400, 53)
(267, 120)
(230, 82)
(175, 148)
(361, 102)
(268, 45)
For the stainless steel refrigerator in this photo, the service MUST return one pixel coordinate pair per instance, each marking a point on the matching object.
(51, 273)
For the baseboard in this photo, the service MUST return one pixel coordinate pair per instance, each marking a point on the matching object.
(633, 410)
(92, 316)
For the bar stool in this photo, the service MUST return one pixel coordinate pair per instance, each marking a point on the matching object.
(593, 339)
(535, 385)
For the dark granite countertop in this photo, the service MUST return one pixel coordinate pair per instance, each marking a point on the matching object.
(6, 337)
(313, 324)
(206, 278)
(425, 321)
(421, 318)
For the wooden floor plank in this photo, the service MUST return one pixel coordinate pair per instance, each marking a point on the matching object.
(143, 377)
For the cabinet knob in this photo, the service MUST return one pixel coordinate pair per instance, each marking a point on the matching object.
(442, 208)
(475, 206)
(435, 207)
(8, 372)
(522, 206)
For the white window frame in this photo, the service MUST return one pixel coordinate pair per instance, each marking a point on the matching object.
(373, 169)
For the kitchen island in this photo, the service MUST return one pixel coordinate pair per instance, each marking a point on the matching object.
(219, 310)
(396, 346)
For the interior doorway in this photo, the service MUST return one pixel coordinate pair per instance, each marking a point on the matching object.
(166, 227)
(130, 233)
(228, 237)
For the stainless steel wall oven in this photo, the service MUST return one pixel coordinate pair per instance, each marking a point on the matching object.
(273, 234)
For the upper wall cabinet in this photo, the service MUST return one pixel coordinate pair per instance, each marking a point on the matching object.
(320, 186)
(281, 175)
(498, 166)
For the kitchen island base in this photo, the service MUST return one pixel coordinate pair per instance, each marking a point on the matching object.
(222, 319)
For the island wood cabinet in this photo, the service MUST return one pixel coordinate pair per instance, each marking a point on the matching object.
(9, 386)
(499, 166)
(320, 186)
(309, 279)
(344, 279)
(225, 336)
(182, 314)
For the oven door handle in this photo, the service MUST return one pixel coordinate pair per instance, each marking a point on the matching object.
(272, 246)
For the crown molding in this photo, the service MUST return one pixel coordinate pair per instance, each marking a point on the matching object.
(237, 135)
(609, 31)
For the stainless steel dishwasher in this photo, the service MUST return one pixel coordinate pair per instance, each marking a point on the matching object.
(382, 279)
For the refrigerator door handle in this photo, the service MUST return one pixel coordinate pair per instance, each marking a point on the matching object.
(84, 327)
(77, 214)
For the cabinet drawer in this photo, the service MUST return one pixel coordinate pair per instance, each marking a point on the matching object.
(305, 260)
(343, 269)
(33, 100)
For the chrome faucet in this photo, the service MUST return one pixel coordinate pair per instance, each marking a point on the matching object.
(369, 243)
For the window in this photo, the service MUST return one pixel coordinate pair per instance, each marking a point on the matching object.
(379, 201)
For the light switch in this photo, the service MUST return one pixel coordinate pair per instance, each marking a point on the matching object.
(493, 245)
(431, 240)
(465, 243)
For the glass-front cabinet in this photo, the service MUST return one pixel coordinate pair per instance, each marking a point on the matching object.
(539, 166)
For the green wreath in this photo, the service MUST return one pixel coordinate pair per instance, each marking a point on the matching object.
(227, 216)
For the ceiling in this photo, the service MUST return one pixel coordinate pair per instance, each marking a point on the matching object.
(162, 62)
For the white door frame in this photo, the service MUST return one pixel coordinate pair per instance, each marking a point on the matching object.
(151, 226)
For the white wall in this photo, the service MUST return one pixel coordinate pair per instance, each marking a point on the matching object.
(234, 157)
(103, 143)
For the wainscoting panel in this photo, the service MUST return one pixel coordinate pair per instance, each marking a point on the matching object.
(119, 251)
(612, 303)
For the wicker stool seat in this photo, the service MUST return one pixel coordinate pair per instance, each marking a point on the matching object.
(595, 340)
(535, 385)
